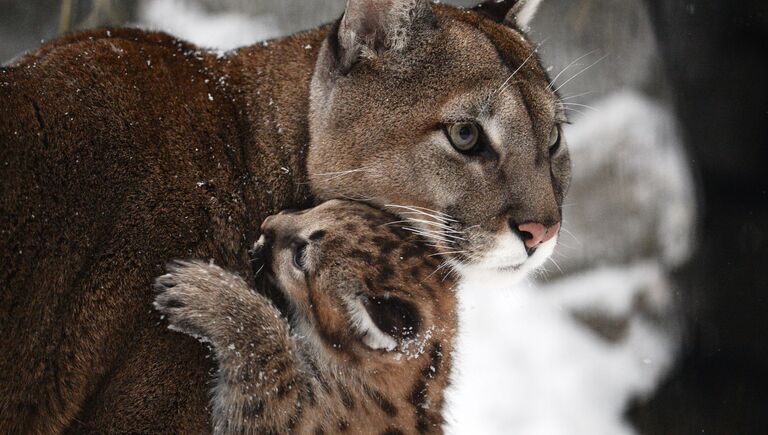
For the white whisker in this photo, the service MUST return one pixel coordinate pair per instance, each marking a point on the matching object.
(258, 271)
(436, 224)
(428, 235)
(580, 112)
(451, 238)
(579, 105)
(570, 97)
(447, 253)
(567, 231)
(506, 82)
(568, 66)
(581, 72)
(336, 175)
(440, 217)
(432, 211)
(564, 245)
(556, 265)
(444, 264)
(511, 76)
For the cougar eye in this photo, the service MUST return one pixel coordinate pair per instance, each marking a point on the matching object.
(554, 140)
(299, 254)
(463, 136)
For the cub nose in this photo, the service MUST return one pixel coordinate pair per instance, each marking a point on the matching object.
(534, 233)
(278, 229)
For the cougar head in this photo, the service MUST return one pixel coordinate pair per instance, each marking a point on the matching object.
(446, 117)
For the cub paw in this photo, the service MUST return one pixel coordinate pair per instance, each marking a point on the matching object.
(190, 296)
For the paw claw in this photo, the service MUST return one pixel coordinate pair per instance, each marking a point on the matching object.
(174, 303)
(165, 282)
(179, 297)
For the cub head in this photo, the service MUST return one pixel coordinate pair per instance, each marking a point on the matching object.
(445, 117)
(343, 266)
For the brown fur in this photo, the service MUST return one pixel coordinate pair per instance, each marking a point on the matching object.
(322, 377)
(111, 167)
(122, 149)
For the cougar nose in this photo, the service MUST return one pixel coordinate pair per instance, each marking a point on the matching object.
(534, 234)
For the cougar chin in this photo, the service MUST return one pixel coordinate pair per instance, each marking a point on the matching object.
(507, 261)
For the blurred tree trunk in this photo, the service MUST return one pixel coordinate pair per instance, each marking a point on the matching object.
(714, 54)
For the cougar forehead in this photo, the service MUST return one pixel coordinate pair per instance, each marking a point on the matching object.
(378, 134)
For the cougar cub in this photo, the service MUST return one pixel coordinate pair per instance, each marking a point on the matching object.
(367, 348)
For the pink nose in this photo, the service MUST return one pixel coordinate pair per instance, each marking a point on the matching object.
(534, 234)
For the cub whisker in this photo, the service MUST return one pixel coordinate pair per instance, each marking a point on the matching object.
(438, 254)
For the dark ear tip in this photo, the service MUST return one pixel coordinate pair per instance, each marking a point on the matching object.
(338, 56)
(495, 10)
(377, 26)
(334, 45)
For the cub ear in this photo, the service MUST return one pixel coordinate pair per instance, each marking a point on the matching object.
(518, 13)
(394, 316)
(370, 27)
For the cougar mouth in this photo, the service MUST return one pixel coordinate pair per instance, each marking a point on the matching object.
(504, 255)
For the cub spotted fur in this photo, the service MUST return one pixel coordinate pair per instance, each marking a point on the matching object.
(372, 327)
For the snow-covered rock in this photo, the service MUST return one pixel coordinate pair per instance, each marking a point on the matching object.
(526, 364)
(632, 193)
(188, 20)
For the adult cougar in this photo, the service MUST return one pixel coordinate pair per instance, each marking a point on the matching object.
(123, 149)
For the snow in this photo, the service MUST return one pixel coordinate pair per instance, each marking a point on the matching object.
(188, 20)
(630, 180)
(525, 365)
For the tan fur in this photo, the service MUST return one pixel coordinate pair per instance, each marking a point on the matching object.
(382, 121)
(123, 149)
(321, 377)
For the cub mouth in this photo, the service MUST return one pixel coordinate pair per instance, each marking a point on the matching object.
(260, 256)
(265, 282)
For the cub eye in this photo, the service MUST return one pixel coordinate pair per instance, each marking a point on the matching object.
(464, 136)
(554, 140)
(299, 254)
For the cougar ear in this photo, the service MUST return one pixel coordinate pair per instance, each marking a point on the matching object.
(518, 13)
(370, 27)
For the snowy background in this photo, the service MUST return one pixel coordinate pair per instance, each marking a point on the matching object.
(568, 352)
